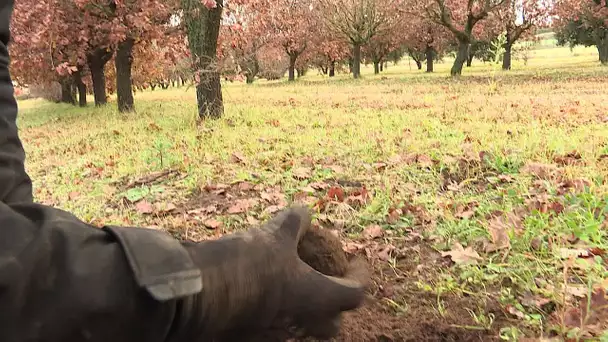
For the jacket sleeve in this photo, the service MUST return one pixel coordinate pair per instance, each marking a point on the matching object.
(15, 184)
(63, 280)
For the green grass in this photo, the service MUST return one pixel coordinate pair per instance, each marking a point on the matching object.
(552, 105)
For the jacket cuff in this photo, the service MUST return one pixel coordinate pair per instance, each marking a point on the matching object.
(159, 262)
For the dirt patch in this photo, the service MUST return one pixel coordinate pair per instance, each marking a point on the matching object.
(398, 310)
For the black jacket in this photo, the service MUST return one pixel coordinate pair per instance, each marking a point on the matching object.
(63, 280)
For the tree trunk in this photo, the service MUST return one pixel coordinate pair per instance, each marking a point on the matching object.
(324, 70)
(461, 58)
(97, 61)
(506, 58)
(332, 69)
(430, 58)
(418, 64)
(124, 88)
(203, 26)
(67, 91)
(602, 49)
(356, 60)
(381, 66)
(292, 67)
(82, 88)
(153, 86)
(376, 68)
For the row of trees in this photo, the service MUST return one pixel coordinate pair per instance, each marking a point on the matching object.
(121, 46)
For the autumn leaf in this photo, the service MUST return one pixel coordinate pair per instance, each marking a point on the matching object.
(144, 207)
(237, 157)
(212, 223)
(164, 207)
(73, 195)
(336, 193)
(499, 234)
(241, 205)
(460, 255)
(540, 170)
(302, 173)
(373, 231)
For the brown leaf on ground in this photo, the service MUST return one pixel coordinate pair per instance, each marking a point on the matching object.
(302, 173)
(570, 158)
(394, 215)
(272, 209)
(465, 211)
(424, 160)
(73, 195)
(319, 185)
(144, 207)
(515, 311)
(460, 255)
(245, 186)
(336, 193)
(237, 157)
(304, 198)
(373, 231)
(573, 185)
(164, 207)
(540, 170)
(499, 234)
(212, 223)
(241, 205)
(358, 197)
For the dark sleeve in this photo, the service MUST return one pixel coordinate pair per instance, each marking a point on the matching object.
(15, 184)
(63, 280)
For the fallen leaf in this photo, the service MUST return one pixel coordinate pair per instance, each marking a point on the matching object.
(393, 215)
(241, 205)
(460, 255)
(373, 231)
(302, 173)
(319, 185)
(144, 207)
(498, 230)
(540, 170)
(164, 207)
(352, 247)
(379, 166)
(567, 253)
(570, 158)
(385, 253)
(336, 193)
(237, 157)
(73, 195)
(424, 160)
(212, 224)
(515, 311)
(272, 209)
(245, 186)
(536, 243)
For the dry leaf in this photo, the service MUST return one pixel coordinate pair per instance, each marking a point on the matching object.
(241, 205)
(540, 170)
(460, 255)
(498, 230)
(336, 193)
(515, 312)
(237, 157)
(144, 207)
(73, 195)
(212, 223)
(373, 231)
(302, 173)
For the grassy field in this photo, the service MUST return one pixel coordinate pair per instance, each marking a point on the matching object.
(481, 201)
